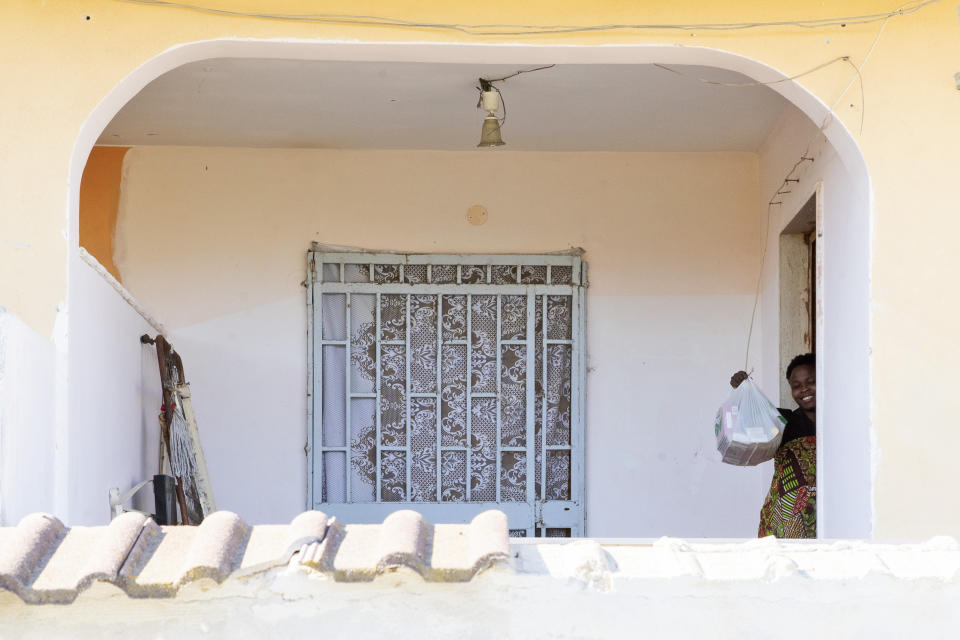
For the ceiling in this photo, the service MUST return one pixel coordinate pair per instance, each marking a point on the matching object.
(392, 105)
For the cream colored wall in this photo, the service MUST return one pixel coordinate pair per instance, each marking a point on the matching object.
(684, 214)
(63, 64)
(671, 243)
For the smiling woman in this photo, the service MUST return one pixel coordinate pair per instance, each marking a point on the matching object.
(790, 510)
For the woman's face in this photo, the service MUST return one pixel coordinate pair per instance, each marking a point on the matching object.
(803, 386)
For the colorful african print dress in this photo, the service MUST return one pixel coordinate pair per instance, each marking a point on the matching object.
(790, 510)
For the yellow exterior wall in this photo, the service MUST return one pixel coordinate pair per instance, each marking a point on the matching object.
(61, 57)
(99, 201)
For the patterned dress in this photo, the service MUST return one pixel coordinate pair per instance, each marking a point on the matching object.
(790, 510)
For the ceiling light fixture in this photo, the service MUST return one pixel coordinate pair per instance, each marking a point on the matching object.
(491, 101)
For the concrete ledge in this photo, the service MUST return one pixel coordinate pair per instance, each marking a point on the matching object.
(405, 572)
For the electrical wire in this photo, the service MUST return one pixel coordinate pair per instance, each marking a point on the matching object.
(753, 83)
(516, 73)
(487, 84)
(532, 30)
(863, 95)
(806, 157)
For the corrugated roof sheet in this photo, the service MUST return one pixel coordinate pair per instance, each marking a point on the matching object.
(42, 561)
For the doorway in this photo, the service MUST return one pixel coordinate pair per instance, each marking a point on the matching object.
(798, 289)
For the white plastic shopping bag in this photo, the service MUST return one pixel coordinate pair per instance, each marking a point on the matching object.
(748, 427)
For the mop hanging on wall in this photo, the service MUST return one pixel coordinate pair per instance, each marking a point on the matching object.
(180, 448)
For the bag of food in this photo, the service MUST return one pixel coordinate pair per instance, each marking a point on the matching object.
(748, 427)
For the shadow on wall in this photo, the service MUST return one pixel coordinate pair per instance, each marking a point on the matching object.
(99, 203)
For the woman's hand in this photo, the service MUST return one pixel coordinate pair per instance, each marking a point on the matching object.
(737, 378)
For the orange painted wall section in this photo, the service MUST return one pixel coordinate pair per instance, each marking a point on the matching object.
(99, 202)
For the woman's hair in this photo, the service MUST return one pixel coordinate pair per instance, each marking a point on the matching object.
(806, 358)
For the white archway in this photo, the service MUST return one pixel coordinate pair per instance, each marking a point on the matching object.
(845, 445)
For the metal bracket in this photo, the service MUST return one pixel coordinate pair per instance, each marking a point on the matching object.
(117, 499)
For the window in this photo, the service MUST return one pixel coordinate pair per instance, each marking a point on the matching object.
(449, 385)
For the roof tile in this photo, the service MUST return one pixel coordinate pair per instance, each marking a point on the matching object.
(217, 547)
(41, 560)
(443, 552)
(86, 554)
(25, 550)
(402, 541)
(458, 553)
(273, 545)
(173, 556)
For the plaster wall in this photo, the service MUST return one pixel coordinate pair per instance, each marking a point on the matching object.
(671, 240)
(111, 434)
(847, 447)
(27, 413)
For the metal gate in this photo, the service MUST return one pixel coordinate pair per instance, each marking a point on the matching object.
(449, 385)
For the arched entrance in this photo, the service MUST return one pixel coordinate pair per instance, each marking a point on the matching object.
(843, 325)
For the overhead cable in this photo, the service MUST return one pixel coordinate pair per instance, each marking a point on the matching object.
(531, 29)
(806, 156)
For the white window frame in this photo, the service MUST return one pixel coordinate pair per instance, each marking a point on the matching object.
(529, 516)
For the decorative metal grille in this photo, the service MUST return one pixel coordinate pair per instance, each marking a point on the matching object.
(448, 382)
